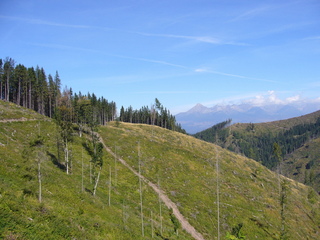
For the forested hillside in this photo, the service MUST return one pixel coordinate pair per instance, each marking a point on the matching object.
(158, 115)
(103, 185)
(257, 141)
(33, 88)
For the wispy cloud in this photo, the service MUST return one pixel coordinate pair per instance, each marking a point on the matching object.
(171, 92)
(203, 39)
(250, 13)
(66, 47)
(312, 38)
(203, 70)
(49, 23)
(151, 61)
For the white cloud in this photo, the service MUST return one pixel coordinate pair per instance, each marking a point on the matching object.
(271, 98)
(264, 99)
(268, 99)
(204, 70)
(293, 99)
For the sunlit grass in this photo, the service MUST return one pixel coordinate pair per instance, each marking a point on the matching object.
(184, 168)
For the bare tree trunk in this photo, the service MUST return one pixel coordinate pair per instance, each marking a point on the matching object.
(279, 180)
(152, 230)
(218, 193)
(96, 183)
(1, 88)
(90, 172)
(42, 104)
(7, 88)
(25, 95)
(160, 208)
(82, 189)
(66, 156)
(140, 187)
(109, 200)
(30, 99)
(115, 165)
(39, 180)
(19, 93)
(50, 110)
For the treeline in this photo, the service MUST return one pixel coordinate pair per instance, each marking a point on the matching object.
(260, 147)
(32, 88)
(29, 87)
(156, 115)
(215, 132)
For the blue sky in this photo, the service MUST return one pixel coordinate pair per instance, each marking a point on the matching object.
(182, 52)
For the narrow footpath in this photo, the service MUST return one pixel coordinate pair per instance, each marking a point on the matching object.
(167, 201)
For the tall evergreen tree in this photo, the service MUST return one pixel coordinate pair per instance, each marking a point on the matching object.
(20, 77)
(52, 96)
(57, 88)
(31, 88)
(8, 72)
(1, 79)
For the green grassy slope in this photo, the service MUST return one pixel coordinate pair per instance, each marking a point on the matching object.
(66, 212)
(9, 110)
(298, 138)
(184, 167)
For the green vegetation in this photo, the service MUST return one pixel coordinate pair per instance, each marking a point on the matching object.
(34, 89)
(183, 166)
(236, 233)
(303, 164)
(67, 212)
(158, 115)
(186, 168)
(256, 141)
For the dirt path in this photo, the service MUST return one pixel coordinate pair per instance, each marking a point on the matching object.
(184, 222)
(19, 120)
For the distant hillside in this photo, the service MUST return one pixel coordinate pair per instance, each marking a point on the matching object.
(297, 137)
(200, 117)
(199, 178)
(303, 164)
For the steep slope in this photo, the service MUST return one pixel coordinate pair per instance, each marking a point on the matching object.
(303, 164)
(183, 168)
(298, 138)
(67, 210)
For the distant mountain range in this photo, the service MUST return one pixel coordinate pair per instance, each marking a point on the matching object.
(200, 117)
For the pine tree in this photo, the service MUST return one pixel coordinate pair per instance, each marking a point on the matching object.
(51, 99)
(31, 90)
(1, 79)
(8, 72)
(20, 77)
